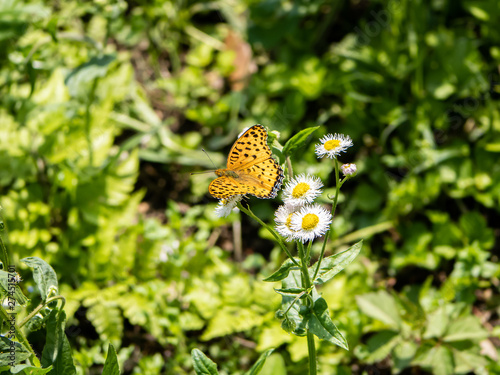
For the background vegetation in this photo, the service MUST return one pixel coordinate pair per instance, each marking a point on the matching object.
(104, 109)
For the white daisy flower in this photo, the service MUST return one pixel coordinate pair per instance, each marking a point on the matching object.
(349, 169)
(225, 206)
(283, 217)
(332, 145)
(302, 190)
(310, 222)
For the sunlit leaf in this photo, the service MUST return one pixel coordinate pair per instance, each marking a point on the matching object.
(44, 276)
(381, 306)
(320, 324)
(255, 369)
(332, 265)
(283, 271)
(298, 140)
(202, 364)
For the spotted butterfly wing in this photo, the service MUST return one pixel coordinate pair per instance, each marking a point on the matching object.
(250, 168)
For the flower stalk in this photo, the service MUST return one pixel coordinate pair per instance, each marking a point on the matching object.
(301, 221)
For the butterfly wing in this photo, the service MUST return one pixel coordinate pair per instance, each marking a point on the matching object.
(257, 173)
(225, 187)
(249, 149)
(264, 177)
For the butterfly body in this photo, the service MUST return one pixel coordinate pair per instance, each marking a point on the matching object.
(250, 168)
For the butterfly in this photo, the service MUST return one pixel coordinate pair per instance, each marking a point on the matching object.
(250, 168)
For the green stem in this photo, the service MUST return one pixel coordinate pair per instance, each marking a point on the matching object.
(310, 337)
(312, 353)
(4, 254)
(303, 266)
(327, 234)
(289, 166)
(271, 230)
(41, 306)
(338, 184)
(337, 187)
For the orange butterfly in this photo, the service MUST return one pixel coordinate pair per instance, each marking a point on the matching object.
(250, 168)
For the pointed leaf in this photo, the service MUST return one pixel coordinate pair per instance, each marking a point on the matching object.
(79, 79)
(468, 328)
(298, 141)
(442, 362)
(283, 271)
(260, 363)
(403, 354)
(28, 369)
(380, 306)
(111, 366)
(57, 351)
(6, 346)
(437, 359)
(44, 276)
(468, 361)
(289, 291)
(332, 265)
(320, 324)
(437, 322)
(275, 365)
(380, 345)
(202, 364)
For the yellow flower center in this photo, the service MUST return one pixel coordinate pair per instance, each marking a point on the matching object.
(332, 144)
(310, 221)
(300, 190)
(289, 221)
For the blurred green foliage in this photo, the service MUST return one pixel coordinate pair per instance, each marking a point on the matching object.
(104, 109)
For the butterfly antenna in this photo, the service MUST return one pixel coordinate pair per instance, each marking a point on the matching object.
(206, 153)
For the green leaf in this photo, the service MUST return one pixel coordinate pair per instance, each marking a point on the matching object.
(202, 364)
(107, 319)
(80, 79)
(57, 351)
(255, 369)
(111, 366)
(289, 291)
(332, 265)
(275, 365)
(482, 10)
(18, 295)
(468, 328)
(283, 271)
(6, 345)
(380, 345)
(298, 141)
(467, 361)
(294, 320)
(437, 322)
(442, 361)
(28, 369)
(380, 306)
(320, 324)
(231, 319)
(403, 354)
(44, 276)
